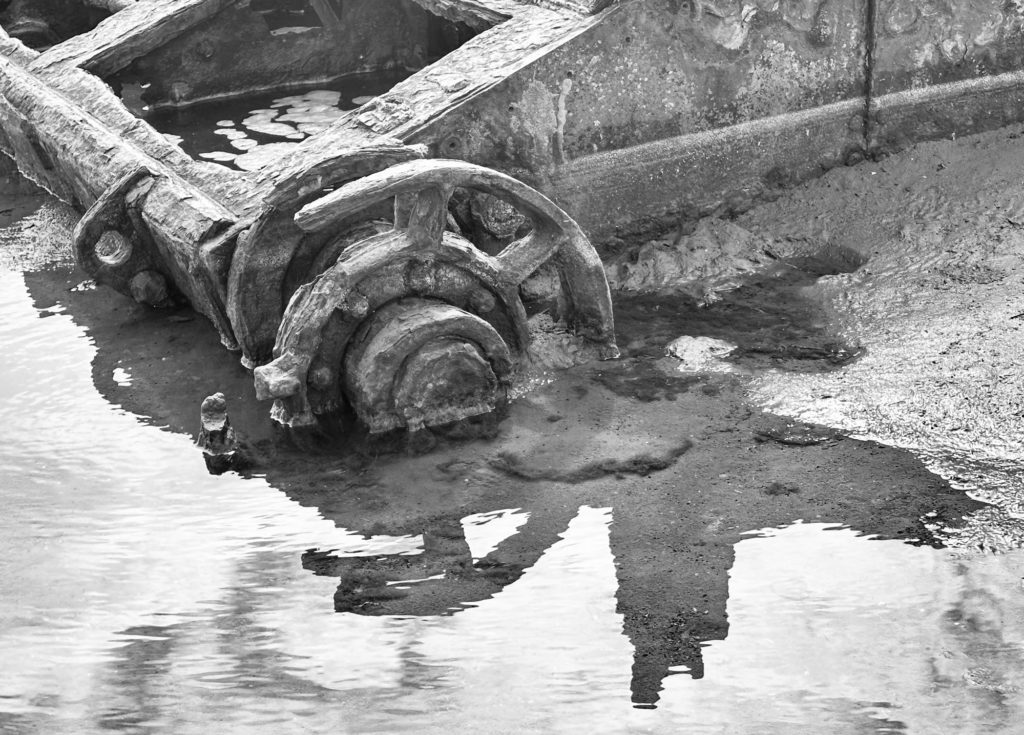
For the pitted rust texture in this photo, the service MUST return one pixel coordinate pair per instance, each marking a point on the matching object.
(664, 68)
(924, 42)
(942, 69)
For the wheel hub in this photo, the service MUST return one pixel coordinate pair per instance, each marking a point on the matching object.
(419, 362)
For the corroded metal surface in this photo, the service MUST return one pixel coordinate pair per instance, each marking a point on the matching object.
(942, 69)
(922, 43)
(461, 328)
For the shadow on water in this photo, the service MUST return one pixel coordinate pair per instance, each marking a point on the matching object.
(685, 464)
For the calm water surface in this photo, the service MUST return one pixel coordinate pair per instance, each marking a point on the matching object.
(140, 594)
(246, 133)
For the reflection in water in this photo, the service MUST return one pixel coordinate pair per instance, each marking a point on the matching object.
(140, 594)
(862, 636)
(249, 133)
(138, 590)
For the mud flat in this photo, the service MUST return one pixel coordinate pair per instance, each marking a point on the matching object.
(936, 308)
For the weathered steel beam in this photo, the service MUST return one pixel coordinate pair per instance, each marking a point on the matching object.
(111, 5)
(477, 14)
(139, 28)
(325, 12)
(583, 7)
(15, 50)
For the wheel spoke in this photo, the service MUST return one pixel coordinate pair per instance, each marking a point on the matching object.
(404, 204)
(521, 258)
(426, 215)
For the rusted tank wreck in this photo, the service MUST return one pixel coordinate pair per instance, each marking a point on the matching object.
(391, 262)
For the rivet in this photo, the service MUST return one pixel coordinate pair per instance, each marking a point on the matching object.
(482, 301)
(420, 278)
(321, 378)
(355, 306)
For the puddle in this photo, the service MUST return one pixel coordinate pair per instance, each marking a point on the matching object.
(218, 595)
(769, 320)
(249, 132)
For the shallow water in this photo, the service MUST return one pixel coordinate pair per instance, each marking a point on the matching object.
(138, 593)
(247, 133)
